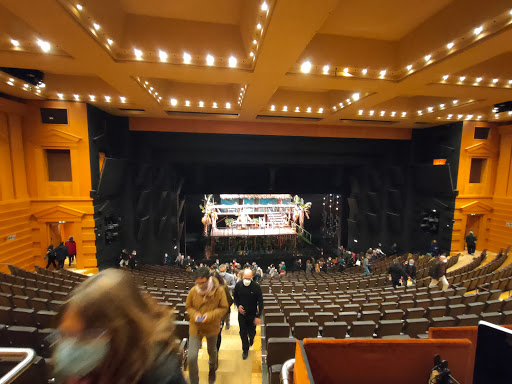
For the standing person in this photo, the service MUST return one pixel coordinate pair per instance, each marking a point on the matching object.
(50, 256)
(309, 266)
(396, 273)
(71, 246)
(225, 318)
(471, 242)
(61, 252)
(133, 259)
(249, 301)
(410, 270)
(206, 305)
(434, 248)
(124, 258)
(393, 250)
(230, 283)
(438, 273)
(366, 265)
(109, 332)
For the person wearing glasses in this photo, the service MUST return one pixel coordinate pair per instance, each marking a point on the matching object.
(111, 333)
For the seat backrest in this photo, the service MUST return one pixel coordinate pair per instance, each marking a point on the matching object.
(280, 349)
(305, 330)
(277, 330)
(389, 327)
(415, 327)
(298, 317)
(338, 330)
(274, 318)
(362, 328)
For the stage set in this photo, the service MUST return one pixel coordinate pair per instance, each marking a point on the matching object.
(255, 215)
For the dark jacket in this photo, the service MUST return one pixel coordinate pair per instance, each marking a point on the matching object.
(396, 272)
(165, 370)
(471, 239)
(434, 249)
(249, 297)
(410, 270)
(438, 270)
(61, 252)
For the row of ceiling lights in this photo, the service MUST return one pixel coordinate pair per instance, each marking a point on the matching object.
(383, 113)
(92, 98)
(44, 45)
(476, 81)
(428, 59)
(297, 109)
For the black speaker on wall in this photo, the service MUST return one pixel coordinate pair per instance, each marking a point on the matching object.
(373, 221)
(394, 222)
(353, 208)
(373, 202)
(54, 116)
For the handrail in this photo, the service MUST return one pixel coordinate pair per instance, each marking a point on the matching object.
(21, 367)
(286, 375)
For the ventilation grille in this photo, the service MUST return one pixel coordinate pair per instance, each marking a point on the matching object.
(366, 122)
(296, 118)
(132, 110)
(191, 113)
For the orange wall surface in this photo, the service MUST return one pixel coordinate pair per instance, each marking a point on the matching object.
(491, 199)
(28, 200)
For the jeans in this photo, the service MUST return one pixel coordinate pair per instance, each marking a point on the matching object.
(366, 271)
(71, 257)
(247, 330)
(194, 343)
(443, 280)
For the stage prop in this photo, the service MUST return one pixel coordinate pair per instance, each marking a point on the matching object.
(255, 215)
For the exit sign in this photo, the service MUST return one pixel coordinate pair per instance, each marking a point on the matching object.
(11, 237)
(509, 224)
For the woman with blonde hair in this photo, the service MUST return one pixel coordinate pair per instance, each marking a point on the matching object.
(110, 332)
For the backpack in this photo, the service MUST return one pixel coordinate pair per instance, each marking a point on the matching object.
(432, 270)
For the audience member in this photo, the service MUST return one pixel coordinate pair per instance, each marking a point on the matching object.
(61, 253)
(229, 298)
(438, 273)
(124, 258)
(206, 306)
(434, 248)
(249, 301)
(396, 273)
(50, 256)
(366, 265)
(110, 333)
(71, 246)
(410, 270)
(230, 283)
(309, 266)
(471, 242)
(132, 261)
(393, 250)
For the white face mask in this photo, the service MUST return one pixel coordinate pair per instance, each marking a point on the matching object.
(247, 282)
(445, 260)
(411, 264)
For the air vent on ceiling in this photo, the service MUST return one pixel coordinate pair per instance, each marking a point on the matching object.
(191, 113)
(297, 118)
(368, 121)
(423, 123)
(132, 110)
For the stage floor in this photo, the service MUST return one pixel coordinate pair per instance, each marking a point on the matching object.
(231, 232)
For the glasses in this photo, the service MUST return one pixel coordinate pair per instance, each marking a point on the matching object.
(82, 337)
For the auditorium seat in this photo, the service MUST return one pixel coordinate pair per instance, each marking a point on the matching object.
(305, 330)
(389, 327)
(404, 305)
(24, 337)
(507, 318)
(466, 320)
(393, 314)
(493, 306)
(347, 317)
(322, 317)
(388, 305)
(298, 317)
(287, 309)
(414, 313)
(362, 329)
(338, 329)
(455, 310)
(274, 318)
(6, 316)
(452, 300)
(181, 329)
(415, 327)
(435, 312)
(475, 308)
(491, 317)
(370, 316)
(5, 300)
(279, 350)
(24, 317)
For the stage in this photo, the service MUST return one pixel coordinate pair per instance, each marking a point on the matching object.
(240, 232)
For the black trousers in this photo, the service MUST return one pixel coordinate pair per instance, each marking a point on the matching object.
(61, 263)
(395, 283)
(71, 258)
(247, 330)
(51, 261)
(471, 248)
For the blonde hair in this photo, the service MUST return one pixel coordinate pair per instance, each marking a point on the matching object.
(138, 327)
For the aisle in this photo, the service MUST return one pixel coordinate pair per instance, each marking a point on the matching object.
(232, 369)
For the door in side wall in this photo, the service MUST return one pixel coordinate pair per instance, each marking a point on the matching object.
(473, 224)
(54, 234)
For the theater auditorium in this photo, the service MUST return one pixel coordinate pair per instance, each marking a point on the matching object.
(255, 191)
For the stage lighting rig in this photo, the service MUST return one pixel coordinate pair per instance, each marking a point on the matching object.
(31, 76)
(502, 107)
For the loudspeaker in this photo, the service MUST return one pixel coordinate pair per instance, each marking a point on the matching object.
(353, 209)
(373, 202)
(373, 222)
(54, 116)
(394, 222)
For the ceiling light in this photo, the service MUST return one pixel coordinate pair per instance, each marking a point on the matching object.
(92, 97)
(345, 70)
(441, 106)
(297, 109)
(77, 97)
(305, 67)
(210, 59)
(96, 26)
(479, 117)
(146, 82)
(186, 58)
(228, 105)
(264, 6)
(404, 114)
(326, 69)
(251, 54)
(510, 82)
(355, 96)
(450, 45)
(455, 102)
(285, 108)
(320, 110)
(445, 77)
(258, 26)
(334, 107)
(40, 85)
(174, 102)
(255, 41)
(187, 103)
(462, 78)
(460, 116)
(494, 81)
(478, 30)
(409, 67)
(469, 117)
(427, 58)
(16, 43)
(382, 113)
(383, 73)
(450, 116)
(341, 105)
(478, 79)
(420, 112)
(214, 105)
(393, 113)
(201, 104)
(137, 53)
(110, 41)
(162, 55)
(79, 7)
(25, 85)
(45, 46)
(107, 99)
(123, 99)
(364, 71)
(360, 111)
(10, 82)
(372, 112)
(430, 109)
(37, 90)
(308, 110)
(232, 61)
(150, 88)
(272, 107)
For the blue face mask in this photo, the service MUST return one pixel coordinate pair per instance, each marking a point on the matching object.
(73, 358)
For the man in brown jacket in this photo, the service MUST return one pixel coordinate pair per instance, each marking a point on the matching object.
(206, 305)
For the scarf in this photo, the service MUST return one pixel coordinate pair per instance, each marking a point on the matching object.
(208, 289)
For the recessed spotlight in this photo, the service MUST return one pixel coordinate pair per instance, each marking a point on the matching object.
(494, 81)
(251, 54)
(92, 97)
(364, 71)
(255, 41)
(10, 82)
(460, 116)
(214, 105)
(123, 99)
(44, 45)
(77, 97)
(297, 109)
(341, 105)
(258, 26)
(382, 113)
(450, 116)
(372, 112)
(326, 69)
(478, 30)
(383, 73)
(107, 99)
(40, 85)
(186, 58)
(469, 117)
(441, 106)
(360, 112)
(232, 61)
(478, 79)
(404, 114)
(25, 85)
(110, 42)
(420, 112)
(334, 107)
(345, 70)
(462, 78)
(285, 108)
(150, 88)
(320, 110)
(356, 96)
(455, 102)
(393, 113)
(308, 110)
(305, 67)
(264, 6)
(16, 43)
(187, 103)
(201, 104)
(137, 53)
(228, 105)
(427, 58)
(450, 45)
(210, 60)
(79, 7)
(272, 107)
(445, 77)
(96, 26)
(479, 117)
(409, 67)
(174, 102)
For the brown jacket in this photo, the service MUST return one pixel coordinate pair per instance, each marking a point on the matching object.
(214, 305)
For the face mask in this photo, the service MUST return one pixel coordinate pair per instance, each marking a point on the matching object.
(247, 282)
(223, 273)
(445, 261)
(411, 263)
(77, 359)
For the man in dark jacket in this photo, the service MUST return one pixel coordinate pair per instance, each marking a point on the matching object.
(434, 248)
(396, 273)
(438, 273)
(471, 242)
(410, 270)
(71, 246)
(61, 252)
(249, 301)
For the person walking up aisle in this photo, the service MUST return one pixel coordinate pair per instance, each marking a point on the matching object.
(438, 273)
(206, 305)
(249, 301)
